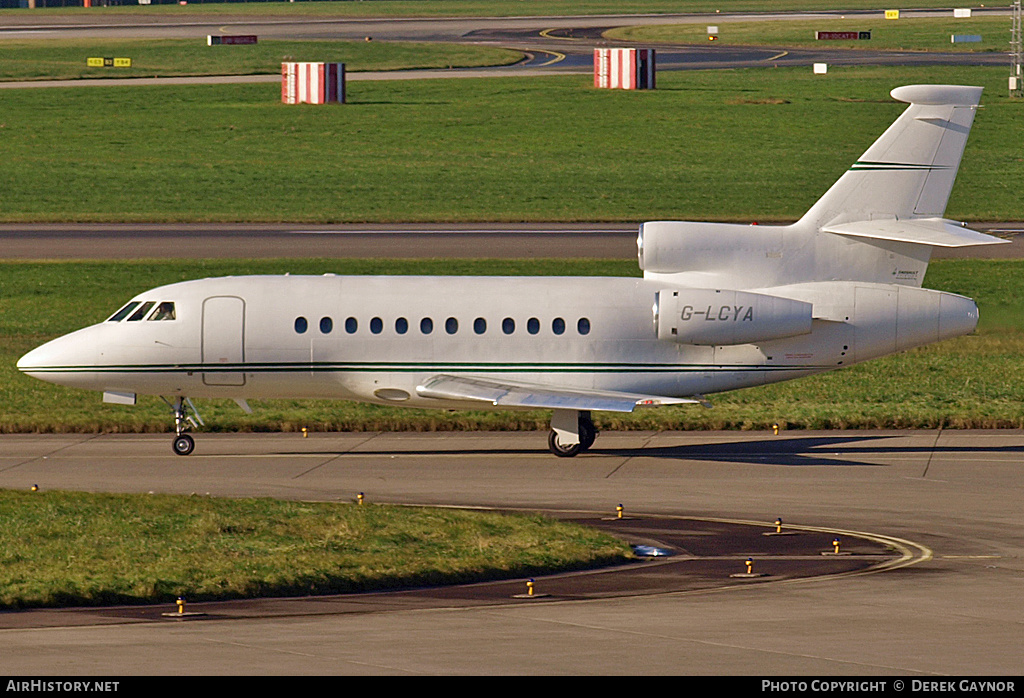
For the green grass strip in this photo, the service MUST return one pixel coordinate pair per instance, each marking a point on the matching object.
(706, 145)
(65, 59)
(468, 8)
(64, 548)
(906, 34)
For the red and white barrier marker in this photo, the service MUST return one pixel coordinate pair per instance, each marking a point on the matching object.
(312, 83)
(624, 68)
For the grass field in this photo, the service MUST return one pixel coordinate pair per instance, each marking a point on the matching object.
(412, 8)
(476, 8)
(64, 549)
(907, 34)
(707, 145)
(64, 59)
(972, 381)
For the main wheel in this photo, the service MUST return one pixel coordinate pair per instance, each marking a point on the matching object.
(184, 444)
(562, 450)
(587, 434)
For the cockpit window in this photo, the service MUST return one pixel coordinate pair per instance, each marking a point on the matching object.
(123, 312)
(141, 312)
(164, 311)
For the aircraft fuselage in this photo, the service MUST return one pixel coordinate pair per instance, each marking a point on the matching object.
(377, 339)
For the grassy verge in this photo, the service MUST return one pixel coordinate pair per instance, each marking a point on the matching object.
(706, 145)
(473, 8)
(63, 549)
(969, 382)
(908, 34)
(63, 59)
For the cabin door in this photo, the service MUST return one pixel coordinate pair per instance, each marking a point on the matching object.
(224, 340)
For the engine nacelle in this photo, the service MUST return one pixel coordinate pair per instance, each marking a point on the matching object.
(723, 317)
(679, 246)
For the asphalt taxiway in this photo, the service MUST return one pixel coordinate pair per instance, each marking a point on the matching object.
(949, 497)
(60, 241)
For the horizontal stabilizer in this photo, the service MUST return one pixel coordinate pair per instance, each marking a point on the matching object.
(514, 394)
(921, 231)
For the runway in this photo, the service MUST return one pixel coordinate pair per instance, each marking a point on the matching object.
(953, 495)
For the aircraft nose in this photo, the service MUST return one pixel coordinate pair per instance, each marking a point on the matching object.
(38, 359)
(65, 360)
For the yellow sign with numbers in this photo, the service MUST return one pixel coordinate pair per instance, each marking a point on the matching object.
(109, 62)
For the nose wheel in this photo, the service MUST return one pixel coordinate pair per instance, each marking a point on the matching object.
(184, 444)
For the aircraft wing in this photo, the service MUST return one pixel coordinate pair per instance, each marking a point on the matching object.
(516, 394)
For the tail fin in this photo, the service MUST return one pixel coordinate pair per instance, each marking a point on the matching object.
(909, 171)
(877, 224)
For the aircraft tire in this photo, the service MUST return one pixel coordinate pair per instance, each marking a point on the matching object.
(587, 434)
(183, 444)
(562, 450)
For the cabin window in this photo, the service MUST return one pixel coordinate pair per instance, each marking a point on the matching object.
(583, 326)
(326, 325)
(451, 325)
(376, 325)
(533, 325)
(301, 325)
(426, 325)
(480, 325)
(558, 325)
(508, 325)
(164, 311)
(351, 325)
(123, 312)
(141, 312)
(401, 325)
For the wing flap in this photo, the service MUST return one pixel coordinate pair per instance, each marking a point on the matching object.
(515, 394)
(922, 231)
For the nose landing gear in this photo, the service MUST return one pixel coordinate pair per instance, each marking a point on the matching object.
(183, 443)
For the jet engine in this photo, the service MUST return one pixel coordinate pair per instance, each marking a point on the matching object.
(723, 317)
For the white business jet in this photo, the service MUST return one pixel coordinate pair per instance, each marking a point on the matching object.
(720, 307)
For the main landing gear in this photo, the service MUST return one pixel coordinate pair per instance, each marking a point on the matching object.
(183, 443)
(572, 432)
